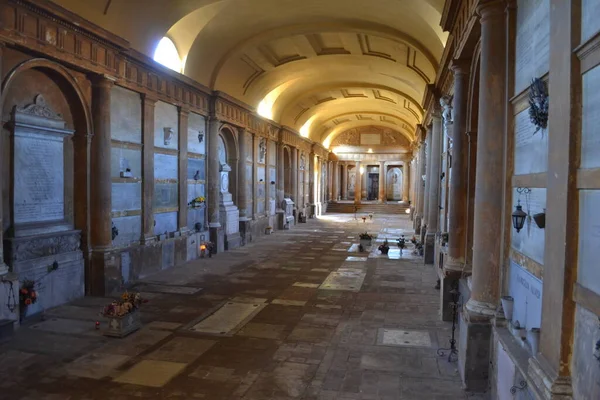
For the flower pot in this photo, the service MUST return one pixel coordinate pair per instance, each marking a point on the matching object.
(268, 231)
(123, 325)
(533, 337)
(384, 250)
(507, 306)
(365, 242)
(540, 219)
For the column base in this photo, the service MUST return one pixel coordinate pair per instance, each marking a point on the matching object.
(448, 282)
(547, 385)
(232, 241)
(217, 237)
(429, 248)
(104, 277)
(245, 231)
(474, 351)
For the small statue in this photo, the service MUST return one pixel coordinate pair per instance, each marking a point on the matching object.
(446, 103)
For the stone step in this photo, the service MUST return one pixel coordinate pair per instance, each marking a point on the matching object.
(7, 329)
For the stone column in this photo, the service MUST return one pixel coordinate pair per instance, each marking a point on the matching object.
(335, 174)
(183, 163)
(557, 363)
(311, 185)
(427, 182)
(148, 235)
(294, 175)
(406, 182)
(475, 329)
(100, 185)
(421, 171)
(254, 143)
(217, 236)
(3, 266)
(357, 184)
(382, 173)
(280, 176)
(433, 203)
(243, 184)
(344, 181)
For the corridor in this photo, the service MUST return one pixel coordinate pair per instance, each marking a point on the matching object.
(294, 315)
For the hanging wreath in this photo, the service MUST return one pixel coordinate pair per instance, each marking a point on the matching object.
(538, 104)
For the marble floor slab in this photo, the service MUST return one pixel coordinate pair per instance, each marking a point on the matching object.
(228, 319)
(346, 279)
(403, 338)
(151, 373)
(170, 289)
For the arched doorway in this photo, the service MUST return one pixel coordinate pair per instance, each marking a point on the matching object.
(45, 167)
(394, 180)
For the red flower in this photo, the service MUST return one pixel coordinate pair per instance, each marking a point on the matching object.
(33, 295)
(24, 291)
(27, 302)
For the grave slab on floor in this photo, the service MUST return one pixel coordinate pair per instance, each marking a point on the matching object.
(403, 338)
(151, 373)
(170, 289)
(344, 279)
(228, 319)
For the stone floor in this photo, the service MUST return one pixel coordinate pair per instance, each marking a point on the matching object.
(293, 316)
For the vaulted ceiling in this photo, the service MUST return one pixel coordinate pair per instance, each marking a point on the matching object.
(319, 66)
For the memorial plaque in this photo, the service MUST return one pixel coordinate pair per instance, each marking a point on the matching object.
(165, 166)
(165, 116)
(196, 131)
(38, 177)
(590, 23)
(165, 222)
(125, 115)
(590, 132)
(531, 240)
(196, 169)
(249, 157)
(533, 42)
(370, 138)
(526, 289)
(195, 190)
(272, 153)
(260, 207)
(260, 171)
(261, 191)
(531, 149)
(166, 195)
(588, 273)
(121, 159)
(126, 196)
(130, 230)
(195, 215)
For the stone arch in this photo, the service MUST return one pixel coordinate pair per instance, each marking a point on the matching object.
(228, 136)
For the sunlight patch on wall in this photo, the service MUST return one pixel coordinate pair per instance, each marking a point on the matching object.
(166, 54)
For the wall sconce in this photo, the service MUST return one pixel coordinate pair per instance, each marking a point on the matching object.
(272, 182)
(519, 216)
(197, 175)
(200, 136)
(362, 170)
(114, 231)
(260, 180)
(540, 219)
(168, 135)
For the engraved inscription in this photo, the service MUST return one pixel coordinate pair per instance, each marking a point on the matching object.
(531, 150)
(532, 42)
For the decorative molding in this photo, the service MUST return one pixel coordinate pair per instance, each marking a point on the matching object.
(39, 108)
(32, 247)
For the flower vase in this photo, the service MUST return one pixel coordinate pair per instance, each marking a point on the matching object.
(268, 231)
(507, 305)
(365, 242)
(533, 337)
(121, 326)
(385, 250)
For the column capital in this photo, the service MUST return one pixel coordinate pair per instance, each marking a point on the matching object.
(102, 80)
(489, 8)
(460, 66)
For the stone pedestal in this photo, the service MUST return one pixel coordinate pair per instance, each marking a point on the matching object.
(228, 213)
(10, 299)
(217, 237)
(474, 350)
(429, 248)
(448, 282)
(245, 230)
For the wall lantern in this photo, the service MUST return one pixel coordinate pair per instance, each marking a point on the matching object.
(540, 219)
(519, 216)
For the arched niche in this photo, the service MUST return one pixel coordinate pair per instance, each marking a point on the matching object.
(287, 173)
(394, 179)
(44, 147)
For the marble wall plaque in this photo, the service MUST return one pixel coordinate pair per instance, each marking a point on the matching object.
(125, 266)
(39, 177)
(196, 169)
(125, 115)
(165, 222)
(394, 184)
(195, 215)
(272, 153)
(130, 230)
(532, 57)
(121, 158)
(126, 196)
(272, 178)
(260, 206)
(195, 190)
(166, 195)
(588, 272)
(165, 166)
(590, 130)
(370, 138)
(585, 372)
(260, 191)
(531, 240)
(590, 23)
(249, 155)
(260, 172)
(506, 373)
(526, 289)
(531, 149)
(196, 126)
(165, 116)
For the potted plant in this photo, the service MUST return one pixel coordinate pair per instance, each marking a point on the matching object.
(401, 243)
(198, 202)
(365, 239)
(268, 230)
(27, 296)
(123, 315)
(384, 248)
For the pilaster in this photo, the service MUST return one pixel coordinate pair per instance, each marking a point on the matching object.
(217, 236)
(148, 105)
(183, 165)
(344, 181)
(357, 184)
(435, 171)
(406, 182)
(382, 173)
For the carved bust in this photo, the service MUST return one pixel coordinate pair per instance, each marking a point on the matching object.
(446, 103)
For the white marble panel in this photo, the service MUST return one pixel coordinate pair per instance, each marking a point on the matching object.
(506, 373)
(166, 195)
(531, 149)
(588, 271)
(526, 290)
(531, 239)
(165, 222)
(125, 115)
(590, 130)
(195, 215)
(272, 153)
(532, 57)
(370, 138)
(39, 177)
(121, 159)
(130, 230)
(260, 172)
(590, 23)
(165, 166)
(228, 319)
(249, 155)
(195, 190)
(126, 196)
(165, 116)
(196, 126)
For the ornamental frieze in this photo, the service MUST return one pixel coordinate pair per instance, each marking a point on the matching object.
(29, 248)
